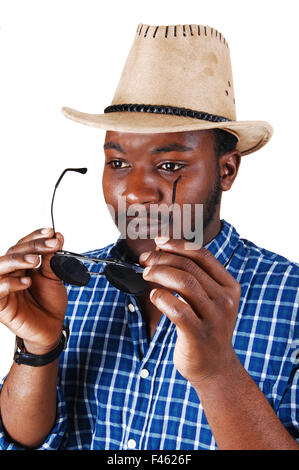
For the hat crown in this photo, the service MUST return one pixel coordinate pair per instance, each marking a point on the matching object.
(185, 66)
(177, 78)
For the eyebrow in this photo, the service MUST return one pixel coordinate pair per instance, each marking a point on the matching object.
(174, 147)
(113, 145)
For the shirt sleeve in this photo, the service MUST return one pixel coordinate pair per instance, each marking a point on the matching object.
(288, 405)
(288, 411)
(53, 441)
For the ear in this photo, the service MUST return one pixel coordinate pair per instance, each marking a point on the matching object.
(229, 164)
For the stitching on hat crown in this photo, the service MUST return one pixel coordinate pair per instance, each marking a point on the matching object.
(176, 31)
(155, 32)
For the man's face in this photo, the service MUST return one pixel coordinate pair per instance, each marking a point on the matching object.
(141, 169)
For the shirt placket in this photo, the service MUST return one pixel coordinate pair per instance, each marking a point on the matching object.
(149, 356)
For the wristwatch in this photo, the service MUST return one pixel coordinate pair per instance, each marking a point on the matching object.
(38, 360)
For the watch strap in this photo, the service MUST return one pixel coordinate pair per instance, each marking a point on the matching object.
(38, 360)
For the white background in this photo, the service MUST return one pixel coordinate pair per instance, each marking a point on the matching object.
(70, 53)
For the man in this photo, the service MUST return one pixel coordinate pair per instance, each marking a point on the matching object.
(206, 356)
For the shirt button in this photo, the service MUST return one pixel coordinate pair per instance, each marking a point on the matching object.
(131, 308)
(131, 444)
(144, 373)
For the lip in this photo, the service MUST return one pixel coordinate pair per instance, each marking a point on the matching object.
(142, 223)
(147, 220)
(144, 226)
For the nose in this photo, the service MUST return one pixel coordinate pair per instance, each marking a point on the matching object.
(141, 189)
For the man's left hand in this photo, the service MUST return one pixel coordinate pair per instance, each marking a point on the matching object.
(205, 312)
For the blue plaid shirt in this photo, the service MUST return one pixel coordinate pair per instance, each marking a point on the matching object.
(117, 391)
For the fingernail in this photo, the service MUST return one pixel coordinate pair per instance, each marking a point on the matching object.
(25, 280)
(31, 258)
(44, 231)
(181, 298)
(146, 271)
(161, 240)
(152, 293)
(143, 257)
(192, 246)
(51, 243)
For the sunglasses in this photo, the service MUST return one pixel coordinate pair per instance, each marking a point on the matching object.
(70, 267)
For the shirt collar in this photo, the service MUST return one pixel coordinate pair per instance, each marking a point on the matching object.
(222, 246)
(225, 243)
(121, 250)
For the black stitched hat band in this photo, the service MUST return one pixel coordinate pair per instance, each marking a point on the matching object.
(162, 109)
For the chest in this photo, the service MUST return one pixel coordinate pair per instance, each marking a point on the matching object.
(150, 314)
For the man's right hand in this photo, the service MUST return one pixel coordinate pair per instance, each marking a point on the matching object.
(33, 300)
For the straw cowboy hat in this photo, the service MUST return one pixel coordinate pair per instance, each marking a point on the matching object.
(177, 78)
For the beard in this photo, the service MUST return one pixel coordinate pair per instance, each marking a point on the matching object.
(210, 206)
(213, 200)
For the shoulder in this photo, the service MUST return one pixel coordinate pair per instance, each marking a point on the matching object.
(268, 279)
(266, 262)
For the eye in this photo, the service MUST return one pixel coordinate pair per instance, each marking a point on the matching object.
(171, 166)
(116, 164)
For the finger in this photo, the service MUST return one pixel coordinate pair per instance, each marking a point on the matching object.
(185, 264)
(178, 311)
(200, 255)
(39, 233)
(185, 284)
(22, 272)
(38, 246)
(13, 284)
(14, 262)
(45, 247)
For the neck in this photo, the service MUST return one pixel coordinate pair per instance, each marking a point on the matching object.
(212, 229)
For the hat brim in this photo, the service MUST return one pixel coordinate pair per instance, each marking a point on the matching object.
(252, 135)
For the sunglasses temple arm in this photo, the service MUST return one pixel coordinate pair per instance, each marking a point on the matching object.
(173, 198)
(52, 217)
(78, 170)
(173, 195)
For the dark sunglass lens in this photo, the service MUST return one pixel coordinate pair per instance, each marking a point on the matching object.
(125, 279)
(70, 270)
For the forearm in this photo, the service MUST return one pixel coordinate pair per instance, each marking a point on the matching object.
(240, 416)
(28, 403)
